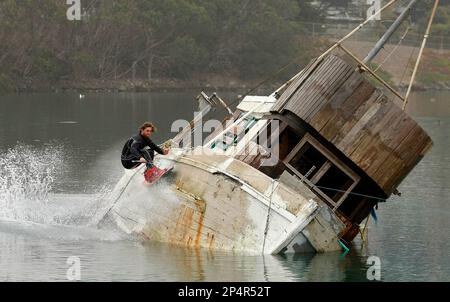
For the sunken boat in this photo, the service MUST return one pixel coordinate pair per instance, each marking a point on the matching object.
(343, 145)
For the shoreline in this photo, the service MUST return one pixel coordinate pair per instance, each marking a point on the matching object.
(170, 85)
(139, 85)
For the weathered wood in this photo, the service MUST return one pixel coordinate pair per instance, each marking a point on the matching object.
(319, 86)
(324, 169)
(363, 124)
(324, 80)
(372, 127)
(318, 119)
(344, 91)
(306, 85)
(355, 134)
(352, 110)
(329, 111)
(404, 157)
(306, 80)
(333, 115)
(297, 83)
(328, 92)
(395, 131)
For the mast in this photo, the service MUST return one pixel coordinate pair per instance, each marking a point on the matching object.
(387, 35)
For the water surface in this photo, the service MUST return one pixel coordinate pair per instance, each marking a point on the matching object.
(60, 158)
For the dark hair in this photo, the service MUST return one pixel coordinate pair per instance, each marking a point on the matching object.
(147, 125)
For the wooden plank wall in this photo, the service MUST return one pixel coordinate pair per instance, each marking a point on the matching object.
(368, 128)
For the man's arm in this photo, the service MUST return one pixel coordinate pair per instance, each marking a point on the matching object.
(155, 147)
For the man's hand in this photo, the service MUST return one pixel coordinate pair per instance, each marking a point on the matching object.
(142, 160)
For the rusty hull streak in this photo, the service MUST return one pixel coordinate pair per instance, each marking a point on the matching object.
(191, 227)
(201, 208)
(199, 230)
(210, 239)
(184, 223)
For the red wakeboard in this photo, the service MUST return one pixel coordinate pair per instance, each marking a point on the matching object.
(152, 175)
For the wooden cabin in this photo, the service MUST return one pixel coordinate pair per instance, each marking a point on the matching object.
(343, 138)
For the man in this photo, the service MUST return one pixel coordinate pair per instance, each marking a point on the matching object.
(141, 149)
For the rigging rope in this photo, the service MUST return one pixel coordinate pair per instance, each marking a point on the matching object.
(394, 50)
(424, 42)
(407, 65)
(266, 229)
(334, 46)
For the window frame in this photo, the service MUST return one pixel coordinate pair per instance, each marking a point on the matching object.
(331, 160)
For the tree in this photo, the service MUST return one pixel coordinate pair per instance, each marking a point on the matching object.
(325, 4)
(132, 39)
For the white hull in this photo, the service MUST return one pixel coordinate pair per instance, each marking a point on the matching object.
(219, 203)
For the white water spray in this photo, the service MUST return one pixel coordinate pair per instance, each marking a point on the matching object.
(27, 177)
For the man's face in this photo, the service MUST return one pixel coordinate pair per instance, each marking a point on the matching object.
(147, 132)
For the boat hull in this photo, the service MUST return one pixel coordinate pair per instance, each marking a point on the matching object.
(220, 203)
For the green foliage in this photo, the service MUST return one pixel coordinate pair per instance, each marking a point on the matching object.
(431, 79)
(187, 57)
(47, 66)
(6, 84)
(434, 69)
(336, 3)
(175, 38)
(83, 64)
(386, 76)
(309, 13)
(442, 21)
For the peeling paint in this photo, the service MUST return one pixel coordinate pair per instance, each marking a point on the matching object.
(219, 211)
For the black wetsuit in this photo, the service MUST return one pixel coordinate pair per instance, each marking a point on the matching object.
(136, 147)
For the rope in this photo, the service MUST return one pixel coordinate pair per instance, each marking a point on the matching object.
(337, 44)
(378, 199)
(406, 67)
(118, 197)
(350, 193)
(273, 75)
(365, 230)
(334, 46)
(239, 99)
(394, 50)
(266, 229)
(424, 42)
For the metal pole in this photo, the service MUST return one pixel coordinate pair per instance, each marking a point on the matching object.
(356, 29)
(387, 35)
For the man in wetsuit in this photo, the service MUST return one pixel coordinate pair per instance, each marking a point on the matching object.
(140, 148)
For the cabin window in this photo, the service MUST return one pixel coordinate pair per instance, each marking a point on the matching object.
(308, 160)
(235, 134)
(285, 142)
(323, 172)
